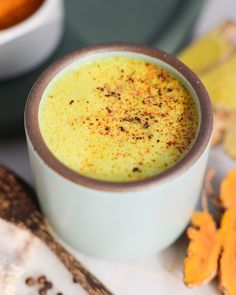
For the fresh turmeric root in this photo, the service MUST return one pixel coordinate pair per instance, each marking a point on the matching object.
(228, 235)
(212, 251)
(227, 273)
(201, 264)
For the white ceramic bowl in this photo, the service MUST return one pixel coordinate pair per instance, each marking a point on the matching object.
(27, 44)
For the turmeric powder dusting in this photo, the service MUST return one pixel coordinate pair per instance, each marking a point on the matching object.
(201, 264)
(15, 11)
(213, 251)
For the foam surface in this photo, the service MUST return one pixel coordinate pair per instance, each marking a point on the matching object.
(118, 119)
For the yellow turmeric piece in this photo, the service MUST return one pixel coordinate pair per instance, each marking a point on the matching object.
(227, 274)
(201, 264)
(228, 234)
(13, 12)
(213, 251)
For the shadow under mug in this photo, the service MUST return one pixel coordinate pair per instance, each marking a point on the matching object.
(119, 220)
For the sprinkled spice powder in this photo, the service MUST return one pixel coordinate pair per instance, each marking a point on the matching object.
(109, 115)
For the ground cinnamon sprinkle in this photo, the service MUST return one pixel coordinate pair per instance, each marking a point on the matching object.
(13, 12)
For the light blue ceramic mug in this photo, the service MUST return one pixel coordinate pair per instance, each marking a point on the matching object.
(119, 220)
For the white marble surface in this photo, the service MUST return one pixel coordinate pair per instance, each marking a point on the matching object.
(159, 274)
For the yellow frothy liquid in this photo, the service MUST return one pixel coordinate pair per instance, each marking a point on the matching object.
(118, 119)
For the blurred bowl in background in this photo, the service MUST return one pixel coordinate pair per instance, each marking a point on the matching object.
(168, 27)
(27, 44)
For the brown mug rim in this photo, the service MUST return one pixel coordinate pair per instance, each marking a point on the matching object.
(35, 137)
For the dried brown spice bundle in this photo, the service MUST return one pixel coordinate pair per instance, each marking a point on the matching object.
(18, 205)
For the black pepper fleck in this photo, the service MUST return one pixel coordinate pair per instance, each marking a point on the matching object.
(146, 125)
(43, 291)
(48, 285)
(30, 282)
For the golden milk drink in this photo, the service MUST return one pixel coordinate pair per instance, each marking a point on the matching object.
(118, 119)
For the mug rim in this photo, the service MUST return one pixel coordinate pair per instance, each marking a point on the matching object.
(35, 137)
